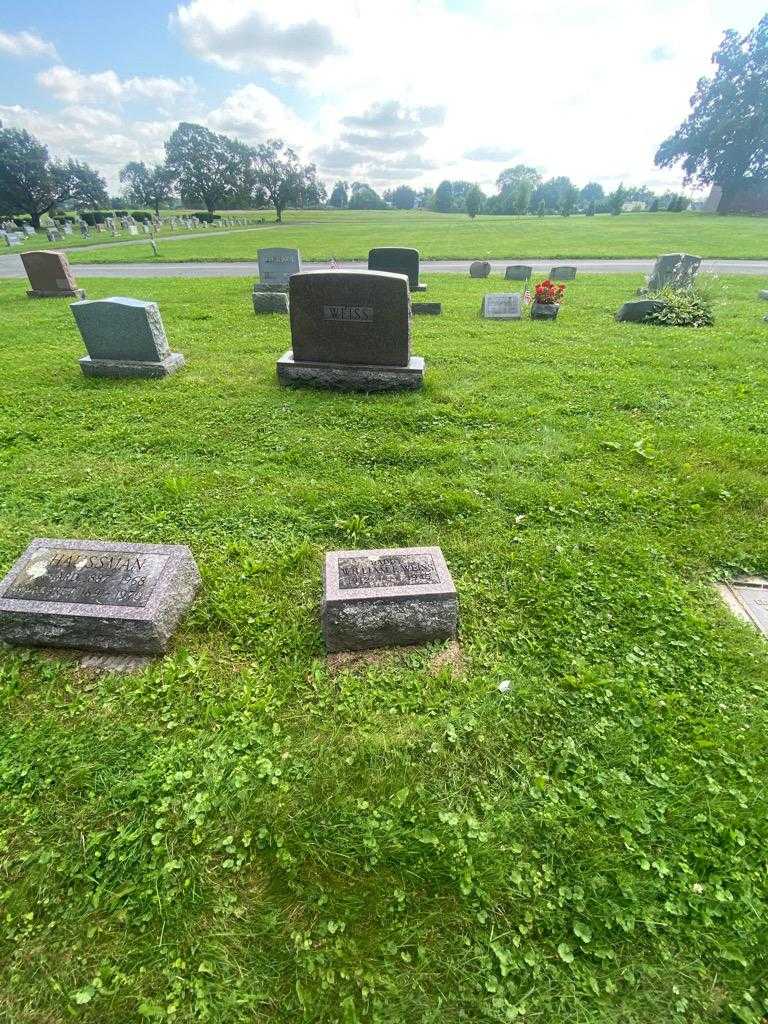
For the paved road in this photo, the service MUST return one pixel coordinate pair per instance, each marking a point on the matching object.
(11, 266)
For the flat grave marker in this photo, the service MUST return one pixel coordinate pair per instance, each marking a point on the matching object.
(502, 306)
(747, 597)
(387, 597)
(351, 330)
(396, 260)
(97, 595)
(124, 338)
(50, 275)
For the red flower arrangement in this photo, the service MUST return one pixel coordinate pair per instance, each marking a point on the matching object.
(547, 293)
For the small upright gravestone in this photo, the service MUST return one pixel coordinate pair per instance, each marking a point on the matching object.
(133, 229)
(351, 330)
(67, 228)
(673, 270)
(518, 272)
(480, 268)
(124, 338)
(563, 273)
(764, 295)
(29, 231)
(13, 238)
(387, 597)
(501, 306)
(52, 234)
(276, 265)
(395, 260)
(50, 275)
(97, 595)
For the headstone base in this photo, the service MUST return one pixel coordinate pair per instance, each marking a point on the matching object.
(75, 293)
(351, 377)
(419, 288)
(764, 295)
(270, 301)
(131, 367)
(426, 308)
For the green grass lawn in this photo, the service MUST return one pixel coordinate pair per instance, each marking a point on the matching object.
(348, 235)
(246, 832)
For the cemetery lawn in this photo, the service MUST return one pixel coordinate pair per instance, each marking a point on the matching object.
(247, 832)
(348, 235)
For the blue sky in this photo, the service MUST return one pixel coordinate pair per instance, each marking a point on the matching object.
(408, 91)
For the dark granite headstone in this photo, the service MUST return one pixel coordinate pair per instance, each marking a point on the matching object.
(50, 275)
(764, 295)
(394, 260)
(124, 338)
(501, 306)
(518, 272)
(480, 268)
(426, 308)
(387, 597)
(563, 273)
(351, 329)
(97, 595)
(637, 311)
(674, 270)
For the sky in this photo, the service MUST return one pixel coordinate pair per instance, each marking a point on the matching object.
(396, 92)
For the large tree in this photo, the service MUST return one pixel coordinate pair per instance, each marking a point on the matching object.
(725, 138)
(474, 201)
(32, 183)
(339, 196)
(442, 201)
(209, 169)
(402, 198)
(553, 193)
(512, 176)
(147, 186)
(279, 173)
(364, 197)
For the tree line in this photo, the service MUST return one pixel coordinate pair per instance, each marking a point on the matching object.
(201, 167)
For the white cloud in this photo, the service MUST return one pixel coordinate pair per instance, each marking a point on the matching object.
(253, 114)
(26, 44)
(73, 86)
(240, 34)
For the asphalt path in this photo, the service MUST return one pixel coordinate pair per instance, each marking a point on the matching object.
(11, 267)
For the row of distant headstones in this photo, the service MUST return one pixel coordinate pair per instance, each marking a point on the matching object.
(11, 235)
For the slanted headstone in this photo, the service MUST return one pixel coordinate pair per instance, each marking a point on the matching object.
(387, 597)
(67, 228)
(124, 338)
(518, 272)
(351, 330)
(395, 260)
(50, 275)
(638, 311)
(563, 273)
(97, 595)
(674, 270)
(480, 268)
(502, 306)
(52, 234)
(13, 238)
(276, 266)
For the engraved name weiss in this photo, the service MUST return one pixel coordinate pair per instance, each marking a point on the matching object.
(349, 314)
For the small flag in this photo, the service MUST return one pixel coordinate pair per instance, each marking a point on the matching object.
(527, 297)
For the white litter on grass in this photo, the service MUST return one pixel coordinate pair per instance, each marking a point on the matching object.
(504, 686)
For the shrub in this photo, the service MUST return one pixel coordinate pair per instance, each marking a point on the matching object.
(141, 215)
(92, 217)
(205, 217)
(683, 307)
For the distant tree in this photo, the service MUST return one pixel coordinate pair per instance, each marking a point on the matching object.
(591, 193)
(474, 200)
(365, 198)
(725, 138)
(617, 199)
(425, 197)
(403, 197)
(591, 208)
(654, 207)
(339, 196)
(147, 186)
(519, 173)
(553, 192)
(208, 169)
(542, 209)
(283, 178)
(442, 201)
(32, 183)
(460, 190)
(568, 201)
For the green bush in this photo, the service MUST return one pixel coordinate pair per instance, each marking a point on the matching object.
(141, 215)
(205, 217)
(92, 217)
(683, 307)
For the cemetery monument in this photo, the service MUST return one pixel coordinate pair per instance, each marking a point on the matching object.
(50, 275)
(124, 338)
